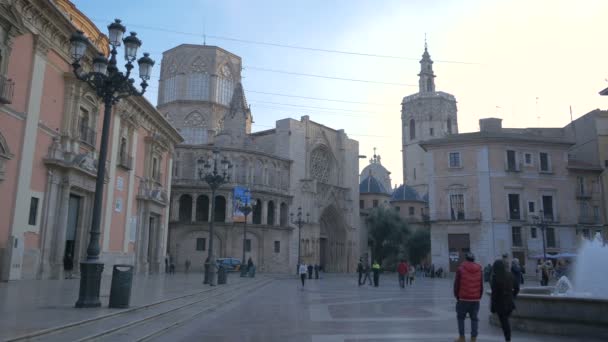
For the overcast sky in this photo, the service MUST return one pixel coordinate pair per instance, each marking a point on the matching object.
(526, 62)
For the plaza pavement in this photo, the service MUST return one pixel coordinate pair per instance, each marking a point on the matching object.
(335, 309)
(30, 306)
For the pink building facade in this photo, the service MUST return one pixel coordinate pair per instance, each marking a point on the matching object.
(50, 127)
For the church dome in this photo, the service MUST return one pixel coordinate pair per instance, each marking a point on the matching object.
(371, 185)
(406, 193)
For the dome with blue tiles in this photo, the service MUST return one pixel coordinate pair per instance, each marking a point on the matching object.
(407, 193)
(379, 174)
(371, 185)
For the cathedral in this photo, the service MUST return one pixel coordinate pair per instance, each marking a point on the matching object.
(299, 166)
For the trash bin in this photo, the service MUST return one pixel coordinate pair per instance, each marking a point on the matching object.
(221, 275)
(251, 271)
(120, 292)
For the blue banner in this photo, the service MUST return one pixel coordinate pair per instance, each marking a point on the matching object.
(241, 197)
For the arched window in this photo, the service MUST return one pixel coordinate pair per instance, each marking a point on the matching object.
(170, 89)
(123, 147)
(225, 86)
(449, 126)
(5, 155)
(185, 208)
(220, 209)
(242, 171)
(197, 86)
(202, 208)
(257, 212)
(412, 129)
(258, 176)
(270, 214)
(429, 86)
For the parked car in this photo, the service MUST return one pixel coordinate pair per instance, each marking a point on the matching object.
(231, 264)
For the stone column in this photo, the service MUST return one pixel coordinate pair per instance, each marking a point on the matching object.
(59, 232)
(264, 212)
(277, 213)
(228, 218)
(193, 216)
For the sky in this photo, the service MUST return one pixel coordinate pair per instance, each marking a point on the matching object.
(526, 62)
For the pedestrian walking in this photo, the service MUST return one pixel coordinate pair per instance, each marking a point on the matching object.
(309, 271)
(517, 271)
(302, 272)
(187, 266)
(68, 265)
(487, 273)
(544, 273)
(360, 270)
(402, 270)
(367, 271)
(468, 289)
(503, 291)
(376, 271)
(317, 271)
(249, 264)
(167, 263)
(410, 275)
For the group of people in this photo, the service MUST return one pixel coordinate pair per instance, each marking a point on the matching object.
(505, 279)
(304, 270)
(365, 270)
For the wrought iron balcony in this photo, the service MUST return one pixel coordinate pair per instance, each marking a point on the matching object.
(588, 219)
(7, 87)
(87, 135)
(125, 160)
(158, 176)
(457, 217)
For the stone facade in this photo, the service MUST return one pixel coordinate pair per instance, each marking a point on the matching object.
(50, 128)
(296, 164)
(489, 189)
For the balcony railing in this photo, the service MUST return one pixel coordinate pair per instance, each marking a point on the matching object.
(588, 219)
(6, 89)
(87, 135)
(125, 160)
(583, 194)
(456, 217)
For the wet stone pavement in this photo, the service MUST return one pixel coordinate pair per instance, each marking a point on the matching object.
(335, 309)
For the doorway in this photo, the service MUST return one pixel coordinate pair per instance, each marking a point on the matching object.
(152, 223)
(322, 251)
(458, 245)
(71, 232)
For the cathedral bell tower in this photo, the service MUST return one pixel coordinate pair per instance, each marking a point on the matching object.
(426, 115)
(426, 83)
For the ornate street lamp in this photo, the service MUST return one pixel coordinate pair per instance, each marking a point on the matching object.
(540, 222)
(111, 86)
(208, 172)
(246, 208)
(299, 221)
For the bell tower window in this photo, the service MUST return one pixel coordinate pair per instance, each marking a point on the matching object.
(412, 129)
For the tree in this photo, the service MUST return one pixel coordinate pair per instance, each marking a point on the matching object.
(419, 245)
(387, 234)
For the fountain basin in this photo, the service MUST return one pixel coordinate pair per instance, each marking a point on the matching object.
(539, 311)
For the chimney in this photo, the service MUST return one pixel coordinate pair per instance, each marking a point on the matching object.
(490, 125)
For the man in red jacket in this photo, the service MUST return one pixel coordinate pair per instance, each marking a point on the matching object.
(468, 289)
(402, 270)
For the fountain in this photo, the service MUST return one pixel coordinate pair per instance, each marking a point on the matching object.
(575, 308)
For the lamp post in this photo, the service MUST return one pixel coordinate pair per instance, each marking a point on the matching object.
(540, 222)
(111, 85)
(299, 221)
(208, 172)
(246, 208)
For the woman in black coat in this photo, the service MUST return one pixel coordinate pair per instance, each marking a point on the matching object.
(502, 296)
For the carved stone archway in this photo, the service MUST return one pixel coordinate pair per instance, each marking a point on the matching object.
(333, 245)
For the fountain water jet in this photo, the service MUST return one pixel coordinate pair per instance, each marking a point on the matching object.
(589, 271)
